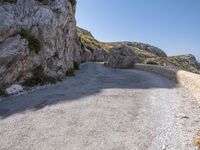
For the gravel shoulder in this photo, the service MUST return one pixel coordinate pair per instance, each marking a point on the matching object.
(102, 109)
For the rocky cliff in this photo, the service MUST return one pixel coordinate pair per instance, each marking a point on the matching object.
(91, 49)
(37, 37)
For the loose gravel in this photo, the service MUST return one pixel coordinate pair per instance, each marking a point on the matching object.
(102, 109)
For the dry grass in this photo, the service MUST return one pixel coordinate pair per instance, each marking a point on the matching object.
(197, 141)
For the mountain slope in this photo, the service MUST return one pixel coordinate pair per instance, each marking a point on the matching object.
(147, 53)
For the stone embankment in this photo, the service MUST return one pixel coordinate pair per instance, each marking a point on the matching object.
(184, 78)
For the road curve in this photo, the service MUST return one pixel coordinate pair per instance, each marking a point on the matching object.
(101, 109)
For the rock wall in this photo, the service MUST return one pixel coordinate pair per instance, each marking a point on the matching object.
(189, 80)
(48, 40)
(184, 78)
(167, 72)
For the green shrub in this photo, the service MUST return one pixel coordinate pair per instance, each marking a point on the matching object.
(39, 78)
(9, 1)
(151, 62)
(25, 33)
(76, 66)
(43, 1)
(70, 72)
(162, 63)
(33, 42)
(2, 92)
(141, 60)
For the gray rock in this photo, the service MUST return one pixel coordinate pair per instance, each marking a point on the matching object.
(96, 54)
(191, 60)
(122, 57)
(53, 23)
(14, 89)
(150, 48)
(92, 49)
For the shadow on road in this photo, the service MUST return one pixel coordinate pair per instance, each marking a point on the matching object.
(91, 79)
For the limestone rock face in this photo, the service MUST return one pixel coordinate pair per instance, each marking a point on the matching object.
(148, 48)
(122, 57)
(192, 60)
(97, 55)
(91, 49)
(53, 23)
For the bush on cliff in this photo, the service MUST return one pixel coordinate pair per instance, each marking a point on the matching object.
(70, 72)
(76, 66)
(39, 78)
(151, 62)
(2, 92)
(33, 42)
(9, 1)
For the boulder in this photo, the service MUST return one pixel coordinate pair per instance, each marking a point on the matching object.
(122, 57)
(14, 89)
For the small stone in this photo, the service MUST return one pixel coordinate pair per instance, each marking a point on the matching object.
(14, 89)
(182, 116)
(164, 147)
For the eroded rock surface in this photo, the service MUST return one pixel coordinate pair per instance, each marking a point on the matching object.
(122, 57)
(52, 28)
(91, 49)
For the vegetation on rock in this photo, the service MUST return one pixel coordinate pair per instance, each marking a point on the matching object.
(2, 92)
(9, 1)
(151, 62)
(33, 42)
(145, 52)
(39, 78)
(70, 72)
(76, 66)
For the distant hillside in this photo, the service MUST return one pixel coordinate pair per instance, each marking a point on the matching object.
(147, 53)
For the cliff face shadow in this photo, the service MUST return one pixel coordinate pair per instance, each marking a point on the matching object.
(91, 79)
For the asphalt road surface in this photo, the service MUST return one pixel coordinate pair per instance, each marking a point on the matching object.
(101, 109)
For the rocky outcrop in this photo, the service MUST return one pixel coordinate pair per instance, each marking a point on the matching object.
(96, 55)
(91, 49)
(90, 46)
(191, 60)
(146, 54)
(149, 48)
(37, 33)
(183, 62)
(122, 57)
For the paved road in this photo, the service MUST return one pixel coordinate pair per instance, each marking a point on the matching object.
(101, 109)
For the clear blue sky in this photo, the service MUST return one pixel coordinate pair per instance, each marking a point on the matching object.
(172, 25)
